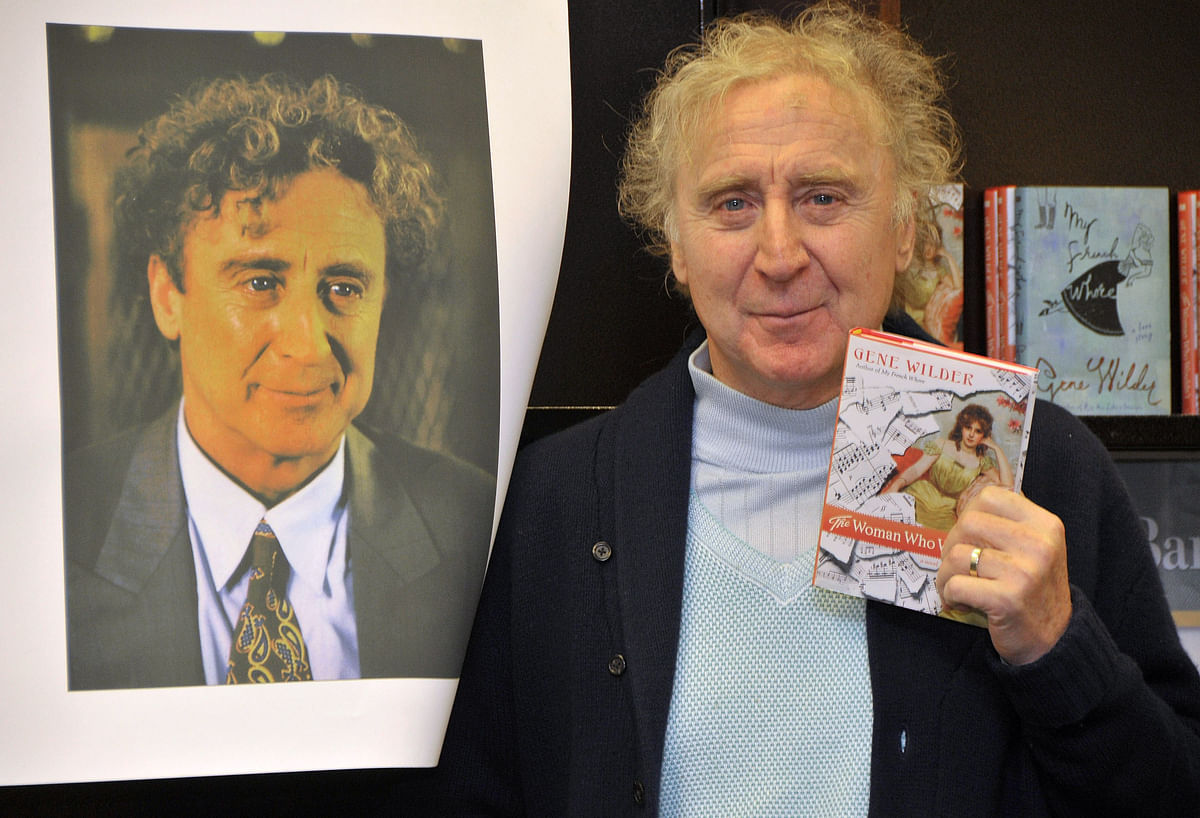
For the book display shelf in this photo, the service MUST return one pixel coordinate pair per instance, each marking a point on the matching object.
(1027, 92)
(1141, 436)
(1040, 100)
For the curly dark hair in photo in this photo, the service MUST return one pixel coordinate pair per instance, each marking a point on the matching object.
(972, 413)
(243, 135)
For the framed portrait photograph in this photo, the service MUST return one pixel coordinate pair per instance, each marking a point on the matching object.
(288, 304)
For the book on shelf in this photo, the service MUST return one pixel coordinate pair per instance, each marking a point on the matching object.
(1088, 292)
(1189, 326)
(999, 272)
(931, 289)
(921, 429)
(991, 290)
(1010, 273)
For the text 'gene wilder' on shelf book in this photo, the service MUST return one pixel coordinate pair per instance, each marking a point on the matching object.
(1079, 286)
(921, 429)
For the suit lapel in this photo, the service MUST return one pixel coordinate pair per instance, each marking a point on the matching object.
(391, 548)
(147, 552)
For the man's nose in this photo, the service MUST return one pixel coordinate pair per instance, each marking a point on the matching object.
(302, 330)
(781, 249)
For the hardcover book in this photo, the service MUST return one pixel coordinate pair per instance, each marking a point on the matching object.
(1189, 337)
(991, 274)
(1091, 294)
(931, 289)
(1000, 271)
(921, 430)
(1010, 273)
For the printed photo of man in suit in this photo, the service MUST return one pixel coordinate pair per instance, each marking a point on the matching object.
(254, 532)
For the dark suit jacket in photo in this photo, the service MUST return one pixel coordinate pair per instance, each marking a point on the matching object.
(419, 530)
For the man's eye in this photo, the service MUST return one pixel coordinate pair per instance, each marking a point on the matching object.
(344, 289)
(823, 199)
(733, 204)
(343, 297)
(261, 284)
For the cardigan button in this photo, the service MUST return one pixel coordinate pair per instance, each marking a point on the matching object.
(616, 665)
(639, 793)
(601, 551)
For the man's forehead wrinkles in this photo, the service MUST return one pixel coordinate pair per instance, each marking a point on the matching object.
(739, 122)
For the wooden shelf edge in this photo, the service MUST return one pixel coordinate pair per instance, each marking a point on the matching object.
(1147, 433)
(1120, 434)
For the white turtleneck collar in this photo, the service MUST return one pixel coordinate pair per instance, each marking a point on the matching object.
(736, 431)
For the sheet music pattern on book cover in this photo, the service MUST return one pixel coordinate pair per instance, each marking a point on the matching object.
(920, 430)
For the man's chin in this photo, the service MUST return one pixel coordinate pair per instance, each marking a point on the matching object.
(299, 440)
(303, 451)
(799, 384)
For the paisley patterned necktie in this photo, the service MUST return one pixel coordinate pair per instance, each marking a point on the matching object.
(267, 644)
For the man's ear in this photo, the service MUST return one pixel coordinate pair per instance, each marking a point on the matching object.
(165, 298)
(679, 265)
(906, 237)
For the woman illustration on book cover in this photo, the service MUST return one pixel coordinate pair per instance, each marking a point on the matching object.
(932, 286)
(954, 469)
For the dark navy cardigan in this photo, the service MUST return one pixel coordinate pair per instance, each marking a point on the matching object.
(563, 702)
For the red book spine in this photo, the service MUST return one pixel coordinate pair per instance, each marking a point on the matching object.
(1189, 354)
(1194, 275)
(1005, 274)
(990, 274)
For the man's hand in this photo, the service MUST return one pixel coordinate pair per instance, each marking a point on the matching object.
(1021, 572)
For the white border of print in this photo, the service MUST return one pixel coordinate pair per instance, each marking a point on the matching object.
(51, 735)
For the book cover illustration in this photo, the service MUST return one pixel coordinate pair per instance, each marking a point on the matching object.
(921, 430)
(1093, 297)
(931, 289)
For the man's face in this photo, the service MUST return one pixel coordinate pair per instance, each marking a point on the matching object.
(786, 238)
(277, 325)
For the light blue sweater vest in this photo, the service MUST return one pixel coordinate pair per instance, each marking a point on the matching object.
(771, 710)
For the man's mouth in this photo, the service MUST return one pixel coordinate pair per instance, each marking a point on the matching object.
(781, 317)
(298, 394)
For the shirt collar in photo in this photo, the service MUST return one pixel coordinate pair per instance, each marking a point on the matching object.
(225, 514)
